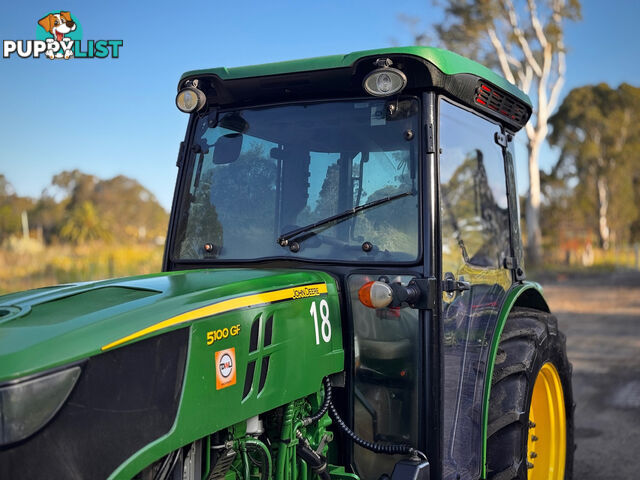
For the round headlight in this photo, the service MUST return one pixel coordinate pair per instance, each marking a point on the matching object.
(190, 99)
(384, 82)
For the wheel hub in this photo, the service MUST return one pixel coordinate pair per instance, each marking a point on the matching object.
(547, 436)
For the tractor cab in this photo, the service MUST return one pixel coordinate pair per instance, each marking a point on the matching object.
(385, 166)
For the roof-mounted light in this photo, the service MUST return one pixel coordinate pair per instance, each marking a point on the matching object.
(384, 81)
(190, 99)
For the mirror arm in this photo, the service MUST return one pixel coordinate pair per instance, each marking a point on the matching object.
(420, 293)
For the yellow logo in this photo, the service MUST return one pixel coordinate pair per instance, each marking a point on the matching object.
(221, 333)
(305, 292)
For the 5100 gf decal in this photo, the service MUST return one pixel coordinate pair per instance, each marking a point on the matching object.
(221, 333)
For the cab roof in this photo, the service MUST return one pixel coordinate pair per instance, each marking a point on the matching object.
(447, 62)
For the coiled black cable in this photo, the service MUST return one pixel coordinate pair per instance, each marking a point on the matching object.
(385, 448)
(325, 404)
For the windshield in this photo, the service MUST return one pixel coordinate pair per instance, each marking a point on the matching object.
(257, 174)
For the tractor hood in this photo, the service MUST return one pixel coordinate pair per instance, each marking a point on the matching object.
(44, 328)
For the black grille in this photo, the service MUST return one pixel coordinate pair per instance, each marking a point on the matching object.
(248, 380)
(125, 398)
(263, 373)
(255, 333)
(268, 331)
(499, 102)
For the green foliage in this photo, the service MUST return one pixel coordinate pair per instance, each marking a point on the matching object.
(525, 42)
(49, 215)
(595, 182)
(79, 208)
(84, 225)
(78, 187)
(77, 216)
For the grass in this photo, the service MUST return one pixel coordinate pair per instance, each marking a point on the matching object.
(51, 265)
(559, 263)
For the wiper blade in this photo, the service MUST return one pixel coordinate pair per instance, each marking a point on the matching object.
(283, 240)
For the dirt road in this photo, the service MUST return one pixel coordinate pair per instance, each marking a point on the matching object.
(601, 316)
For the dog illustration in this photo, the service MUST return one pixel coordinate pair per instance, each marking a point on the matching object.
(58, 25)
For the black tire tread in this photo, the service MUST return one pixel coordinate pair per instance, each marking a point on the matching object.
(530, 338)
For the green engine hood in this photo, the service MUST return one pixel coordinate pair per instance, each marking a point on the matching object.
(44, 328)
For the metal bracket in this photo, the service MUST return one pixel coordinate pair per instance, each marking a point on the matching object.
(501, 139)
(428, 288)
(430, 138)
(383, 62)
(180, 159)
(511, 263)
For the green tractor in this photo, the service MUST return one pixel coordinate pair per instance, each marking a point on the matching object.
(342, 296)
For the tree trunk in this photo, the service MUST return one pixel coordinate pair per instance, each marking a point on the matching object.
(603, 208)
(532, 213)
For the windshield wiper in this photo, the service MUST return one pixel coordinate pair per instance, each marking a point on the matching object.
(283, 240)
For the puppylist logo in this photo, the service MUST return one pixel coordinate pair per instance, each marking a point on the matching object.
(59, 36)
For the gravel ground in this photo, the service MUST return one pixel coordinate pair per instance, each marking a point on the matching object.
(601, 316)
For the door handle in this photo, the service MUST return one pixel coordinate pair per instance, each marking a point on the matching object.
(451, 285)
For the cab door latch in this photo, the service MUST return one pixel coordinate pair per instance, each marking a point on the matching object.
(451, 285)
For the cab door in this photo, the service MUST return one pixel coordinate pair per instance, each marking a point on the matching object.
(474, 224)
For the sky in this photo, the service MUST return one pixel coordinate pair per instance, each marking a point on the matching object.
(117, 116)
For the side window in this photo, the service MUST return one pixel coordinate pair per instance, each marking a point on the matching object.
(474, 205)
(386, 359)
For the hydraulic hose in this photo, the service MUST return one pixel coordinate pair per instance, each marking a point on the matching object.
(325, 404)
(317, 463)
(245, 462)
(388, 449)
(264, 452)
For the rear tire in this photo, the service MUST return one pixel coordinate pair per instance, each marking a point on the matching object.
(530, 340)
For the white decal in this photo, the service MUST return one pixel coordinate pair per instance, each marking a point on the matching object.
(325, 327)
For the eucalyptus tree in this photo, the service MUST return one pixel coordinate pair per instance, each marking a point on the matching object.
(525, 42)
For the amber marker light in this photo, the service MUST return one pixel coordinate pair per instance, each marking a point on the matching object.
(375, 294)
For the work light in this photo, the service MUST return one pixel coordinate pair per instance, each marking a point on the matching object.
(384, 82)
(190, 99)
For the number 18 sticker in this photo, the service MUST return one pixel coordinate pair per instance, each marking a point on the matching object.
(325, 326)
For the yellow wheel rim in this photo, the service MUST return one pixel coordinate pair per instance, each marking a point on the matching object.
(547, 442)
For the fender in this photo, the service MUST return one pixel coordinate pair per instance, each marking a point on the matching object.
(526, 294)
